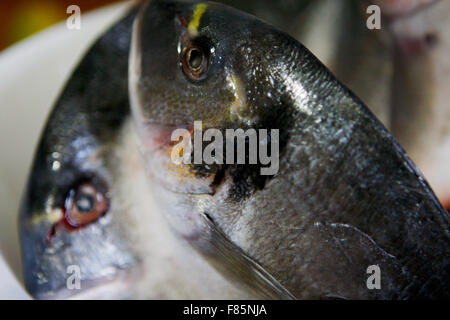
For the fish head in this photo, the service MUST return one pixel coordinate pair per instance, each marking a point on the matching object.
(73, 239)
(200, 66)
(314, 219)
(200, 61)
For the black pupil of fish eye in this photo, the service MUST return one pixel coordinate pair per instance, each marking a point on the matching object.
(195, 58)
(85, 203)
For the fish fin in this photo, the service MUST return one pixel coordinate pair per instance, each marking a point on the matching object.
(243, 267)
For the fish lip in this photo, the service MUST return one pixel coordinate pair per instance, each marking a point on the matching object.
(121, 277)
(156, 135)
(155, 139)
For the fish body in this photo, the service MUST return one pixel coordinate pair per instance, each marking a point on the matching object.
(346, 196)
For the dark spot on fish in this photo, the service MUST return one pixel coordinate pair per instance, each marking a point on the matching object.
(279, 115)
(218, 178)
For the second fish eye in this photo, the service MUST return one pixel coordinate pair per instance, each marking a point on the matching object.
(194, 62)
(84, 205)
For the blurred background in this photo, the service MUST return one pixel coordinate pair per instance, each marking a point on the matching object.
(22, 18)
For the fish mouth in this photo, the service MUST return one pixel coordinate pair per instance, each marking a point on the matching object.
(157, 136)
(158, 147)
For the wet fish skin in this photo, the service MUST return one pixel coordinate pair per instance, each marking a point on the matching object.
(77, 144)
(336, 32)
(131, 251)
(346, 195)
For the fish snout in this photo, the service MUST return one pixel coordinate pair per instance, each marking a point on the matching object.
(76, 263)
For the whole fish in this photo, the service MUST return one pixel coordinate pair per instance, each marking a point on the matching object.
(87, 212)
(346, 196)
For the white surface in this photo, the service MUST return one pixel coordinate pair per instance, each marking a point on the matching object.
(32, 73)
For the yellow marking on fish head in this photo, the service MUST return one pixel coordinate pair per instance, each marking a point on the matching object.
(195, 22)
(52, 216)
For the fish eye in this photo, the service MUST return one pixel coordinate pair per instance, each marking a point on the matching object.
(194, 62)
(85, 204)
